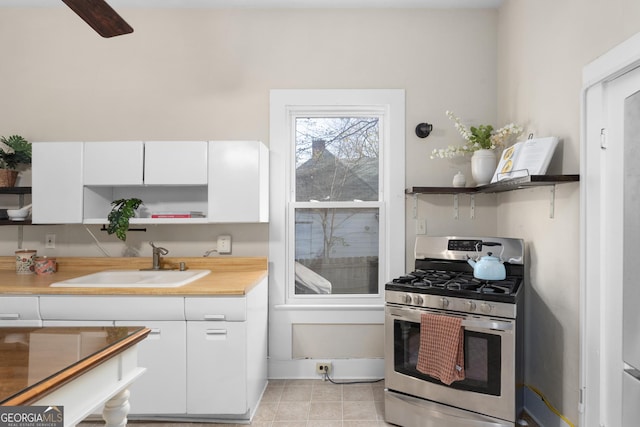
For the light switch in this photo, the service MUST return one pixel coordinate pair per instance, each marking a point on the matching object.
(50, 241)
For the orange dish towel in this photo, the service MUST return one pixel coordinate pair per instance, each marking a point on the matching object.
(441, 352)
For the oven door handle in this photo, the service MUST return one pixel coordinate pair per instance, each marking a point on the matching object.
(494, 325)
(469, 322)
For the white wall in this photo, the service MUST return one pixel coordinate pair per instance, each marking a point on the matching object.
(542, 47)
(191, 74)
(206, 74)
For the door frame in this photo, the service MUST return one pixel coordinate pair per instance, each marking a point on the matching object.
(596, 311)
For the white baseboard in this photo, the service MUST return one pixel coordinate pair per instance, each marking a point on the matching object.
(540, 412)
(342, 369)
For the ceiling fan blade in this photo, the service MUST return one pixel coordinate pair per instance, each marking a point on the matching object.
(100, 16)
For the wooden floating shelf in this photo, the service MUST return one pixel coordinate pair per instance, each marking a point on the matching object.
(499, 187)
(9, 222)
(15, 190)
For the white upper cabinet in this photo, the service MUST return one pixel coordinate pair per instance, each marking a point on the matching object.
(179, 182)
(57, 183)
(150, 163)
(175, 163)
(113, 163)
(238, 181)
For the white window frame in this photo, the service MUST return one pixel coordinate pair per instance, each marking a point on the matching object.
(285, 105)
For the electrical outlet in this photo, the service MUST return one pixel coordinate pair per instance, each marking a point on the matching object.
(50, 241)
(224, 244)
(323, 368)
(421, 226)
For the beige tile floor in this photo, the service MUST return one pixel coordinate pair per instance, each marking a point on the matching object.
(305, 403)
(308, 403)
(317, 403)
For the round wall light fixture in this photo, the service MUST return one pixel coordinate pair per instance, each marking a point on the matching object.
(423, 130)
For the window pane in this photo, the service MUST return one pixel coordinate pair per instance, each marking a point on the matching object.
(336, 251)
(337, 159)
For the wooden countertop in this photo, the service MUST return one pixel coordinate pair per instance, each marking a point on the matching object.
(36, 361)
(229, 276)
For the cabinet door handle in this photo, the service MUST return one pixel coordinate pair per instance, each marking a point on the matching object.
(214, 317)
(9, 316)
(216, 335)
(216, 332)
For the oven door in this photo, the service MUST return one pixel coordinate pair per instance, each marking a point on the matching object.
(489, 346)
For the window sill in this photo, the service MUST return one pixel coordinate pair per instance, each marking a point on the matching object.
(329, 307)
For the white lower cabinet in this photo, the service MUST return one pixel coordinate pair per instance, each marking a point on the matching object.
(226, 354)
(162, 354)
(162, 388)
(216, 368)
(77, 324)
(206, 357)
(18, 311)
(83, 343)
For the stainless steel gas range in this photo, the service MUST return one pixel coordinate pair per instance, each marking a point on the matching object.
(491, 321)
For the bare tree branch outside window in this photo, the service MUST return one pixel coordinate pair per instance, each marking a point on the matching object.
(337, 160)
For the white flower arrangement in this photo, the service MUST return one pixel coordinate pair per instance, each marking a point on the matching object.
(481, 137)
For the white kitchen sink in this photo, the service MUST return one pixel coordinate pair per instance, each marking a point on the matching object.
(134, 279)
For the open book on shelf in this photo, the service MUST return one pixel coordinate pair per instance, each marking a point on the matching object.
(530, 157)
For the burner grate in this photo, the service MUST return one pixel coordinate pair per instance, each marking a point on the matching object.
(455, 282)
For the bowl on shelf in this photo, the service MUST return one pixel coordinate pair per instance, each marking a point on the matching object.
(19, 214)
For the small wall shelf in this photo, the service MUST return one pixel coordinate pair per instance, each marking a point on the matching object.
(20, 192)
(498, 187)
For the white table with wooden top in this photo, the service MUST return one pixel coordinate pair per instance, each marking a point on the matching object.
(79, 369)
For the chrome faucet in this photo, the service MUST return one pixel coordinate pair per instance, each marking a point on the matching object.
(209, 252)
(157, 253)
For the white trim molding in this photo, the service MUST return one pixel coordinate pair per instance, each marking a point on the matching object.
(284, 312)
(598, 387)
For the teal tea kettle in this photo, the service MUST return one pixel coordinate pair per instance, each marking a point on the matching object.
(488, 267)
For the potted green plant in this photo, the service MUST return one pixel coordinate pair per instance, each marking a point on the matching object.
(483, 137)
(121, 211)
(481, 142)
(15, 152)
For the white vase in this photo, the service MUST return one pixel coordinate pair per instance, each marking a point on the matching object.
(483, 166)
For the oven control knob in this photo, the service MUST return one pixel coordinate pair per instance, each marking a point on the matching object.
(418, 300)
(471, 306)
(485, 308)
(444, 303)
(407, 299)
